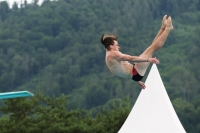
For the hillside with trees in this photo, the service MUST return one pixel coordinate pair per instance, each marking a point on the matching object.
(54, 49)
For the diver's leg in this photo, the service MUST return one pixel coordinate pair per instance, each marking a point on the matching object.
(156, 45)
(164, 23)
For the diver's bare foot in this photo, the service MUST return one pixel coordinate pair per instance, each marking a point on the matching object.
(169, 25)
(141, 84)
(164, 22)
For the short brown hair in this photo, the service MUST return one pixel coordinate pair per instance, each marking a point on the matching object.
(108, 40)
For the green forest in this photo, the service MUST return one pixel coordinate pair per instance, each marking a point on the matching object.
(54, 51)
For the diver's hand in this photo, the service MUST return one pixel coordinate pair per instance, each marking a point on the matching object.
(153, 60)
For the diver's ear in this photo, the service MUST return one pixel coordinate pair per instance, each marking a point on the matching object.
(111, 46)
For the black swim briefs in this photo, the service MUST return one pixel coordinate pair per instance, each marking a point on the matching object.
(136, 75)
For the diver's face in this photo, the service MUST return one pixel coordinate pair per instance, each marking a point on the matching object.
(115, 46)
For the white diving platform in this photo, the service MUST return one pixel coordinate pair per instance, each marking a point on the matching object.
(16, 94)
(153, 111)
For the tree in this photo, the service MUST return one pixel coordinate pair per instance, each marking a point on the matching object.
(50, 115)
(4, 10)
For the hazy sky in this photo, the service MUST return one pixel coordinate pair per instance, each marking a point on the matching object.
(18, 1)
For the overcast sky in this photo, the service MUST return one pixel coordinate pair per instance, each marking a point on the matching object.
(18, 1)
